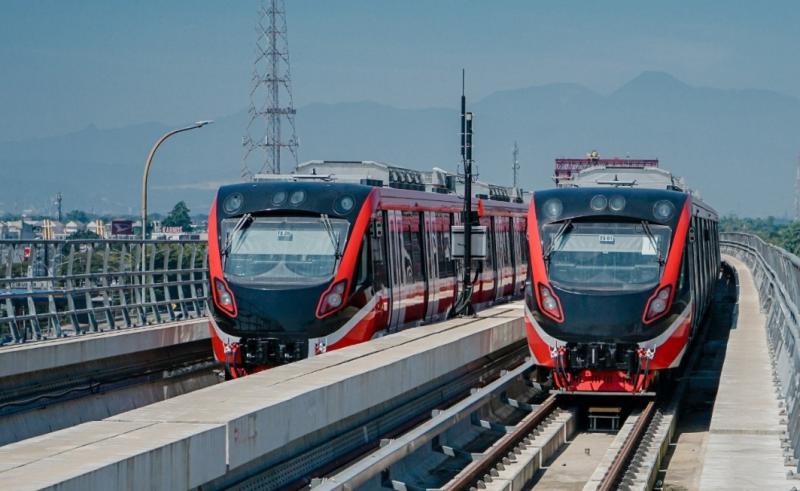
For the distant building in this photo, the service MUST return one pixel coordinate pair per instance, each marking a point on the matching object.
(97, 227)
(73, 227)
(19, 230)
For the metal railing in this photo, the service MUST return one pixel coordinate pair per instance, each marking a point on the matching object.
(776, 273)
(56, 288)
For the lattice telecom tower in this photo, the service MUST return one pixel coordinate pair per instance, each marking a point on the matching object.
(271, 103)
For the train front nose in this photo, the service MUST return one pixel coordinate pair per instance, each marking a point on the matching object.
(274, 324)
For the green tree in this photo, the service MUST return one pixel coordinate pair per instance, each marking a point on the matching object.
(78, 216)
(790, 238)
(179, 217)
(84, 234)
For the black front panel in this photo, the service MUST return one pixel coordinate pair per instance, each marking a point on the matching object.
(577, 203)
(311, 198)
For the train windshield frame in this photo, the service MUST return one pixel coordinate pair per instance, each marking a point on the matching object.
(283, 250)
(607, 256)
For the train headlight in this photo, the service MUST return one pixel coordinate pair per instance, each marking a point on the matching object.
(663, 210)
(233, 203)
(332, 299)
(553, 208)
(658, 304)
(617, 203)
(598, 203)
(279, 198)
(224, 297)
(549, 303)
(345, 205)
(297, 197)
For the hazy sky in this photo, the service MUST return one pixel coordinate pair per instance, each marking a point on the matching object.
(67, 64)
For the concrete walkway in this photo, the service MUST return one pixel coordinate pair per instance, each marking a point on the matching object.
(744, 448)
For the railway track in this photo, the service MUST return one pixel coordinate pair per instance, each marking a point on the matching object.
(502, 436)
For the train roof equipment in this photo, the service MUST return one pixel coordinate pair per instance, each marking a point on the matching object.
(382, 174)
(594, 171)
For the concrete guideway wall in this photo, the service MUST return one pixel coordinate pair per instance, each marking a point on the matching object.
(58, 353)
(195, 438)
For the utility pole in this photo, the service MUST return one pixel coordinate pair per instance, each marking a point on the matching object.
(271, 102)
(515, 163)
(58, 205)
(797, 191)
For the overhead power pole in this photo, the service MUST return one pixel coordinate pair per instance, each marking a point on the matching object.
(59, 198)
(797, 191)
(515, 163)
(271, 128)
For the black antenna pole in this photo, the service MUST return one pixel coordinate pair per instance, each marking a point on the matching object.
(464, 303)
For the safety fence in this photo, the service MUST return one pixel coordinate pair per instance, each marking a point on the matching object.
(56, 288)
(776, 273)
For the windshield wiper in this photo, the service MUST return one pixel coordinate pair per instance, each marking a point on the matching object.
(649, 233)
(560, 232)
(243, 222)
(335, 239)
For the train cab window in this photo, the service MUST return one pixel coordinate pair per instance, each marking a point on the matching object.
(377, 243)
(683, 283)
(360, 276)
(283, 250)
(605, 256)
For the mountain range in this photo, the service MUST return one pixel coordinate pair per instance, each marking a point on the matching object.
(738, 148)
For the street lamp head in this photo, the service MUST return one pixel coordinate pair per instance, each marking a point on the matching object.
(200, 124)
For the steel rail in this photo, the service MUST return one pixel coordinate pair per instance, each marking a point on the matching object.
(501, 447)
(626, 453)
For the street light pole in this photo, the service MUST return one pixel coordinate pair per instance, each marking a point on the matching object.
(198, 124)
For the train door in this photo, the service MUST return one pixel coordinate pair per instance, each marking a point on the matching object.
(441, 269)
(380, 274)
(431, 263)
(407, 269)
(503, 267)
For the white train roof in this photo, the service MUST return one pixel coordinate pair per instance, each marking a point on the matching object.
(641, 177)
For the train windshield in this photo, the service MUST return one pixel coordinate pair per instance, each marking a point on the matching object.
(283, 250)
(605, 256)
